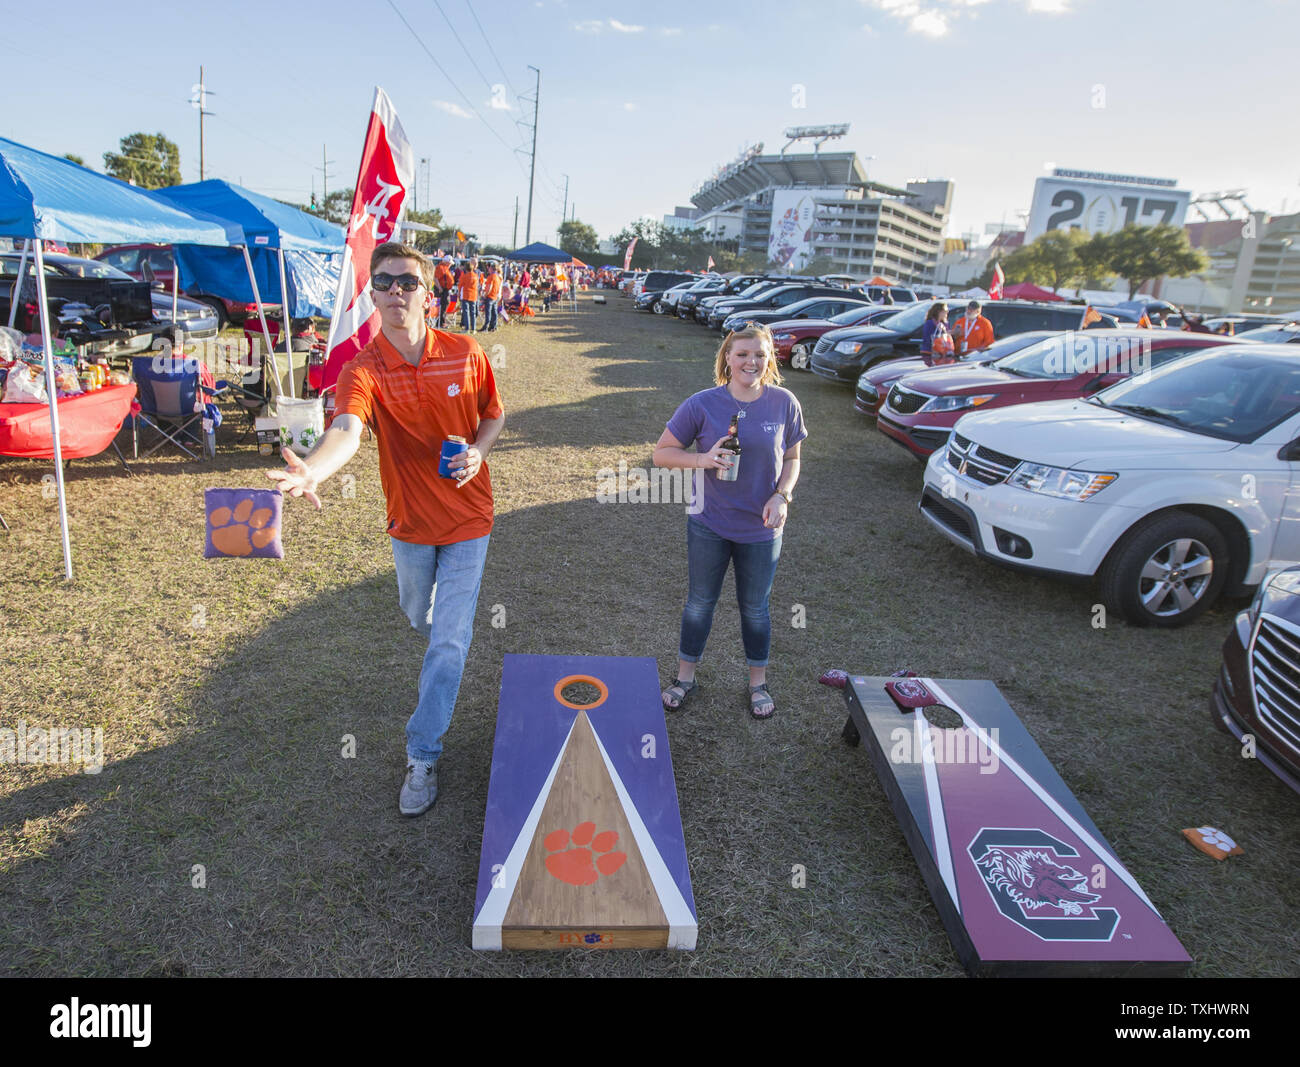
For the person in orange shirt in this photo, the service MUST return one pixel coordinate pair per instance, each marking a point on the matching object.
(491, 297)
(972, 332)
(443, 284)
(417, 387)
(469, 287)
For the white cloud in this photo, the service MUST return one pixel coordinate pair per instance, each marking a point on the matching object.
(614, 24)
(930, 23)
(452, 109)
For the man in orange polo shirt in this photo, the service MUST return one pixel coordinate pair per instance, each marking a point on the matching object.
(443, 283)
(491, 297)
(972, 332)
(469, 289)
(417, 387)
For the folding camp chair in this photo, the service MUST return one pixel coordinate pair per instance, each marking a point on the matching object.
(175, 403)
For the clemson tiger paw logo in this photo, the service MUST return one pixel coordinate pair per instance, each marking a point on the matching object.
(581, 857)
(237, 532)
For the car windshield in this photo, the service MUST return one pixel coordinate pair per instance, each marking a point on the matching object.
(853, 315)
(89, 268)
(1222, 392)
(1271, 333)
(906, 320)
(1069, 354)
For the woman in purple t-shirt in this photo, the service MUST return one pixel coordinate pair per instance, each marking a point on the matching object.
(738, 521)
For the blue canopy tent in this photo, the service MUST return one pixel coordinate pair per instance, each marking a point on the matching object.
(45, 198)
(287, 249)
(537, 252)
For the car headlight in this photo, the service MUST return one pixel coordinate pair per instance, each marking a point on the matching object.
(849, 348)
(782, 337)
(956, 403)
(1059, 482)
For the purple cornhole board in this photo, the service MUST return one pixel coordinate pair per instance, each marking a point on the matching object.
(533, 731)
(1024, 882)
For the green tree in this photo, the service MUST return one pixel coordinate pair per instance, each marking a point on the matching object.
(1094, 262)
(426, 241)
(75, 158)
(1026, 265)
(1057, 255)
(819, 265)
(1140, 253)
(147, 160)
(578, 238)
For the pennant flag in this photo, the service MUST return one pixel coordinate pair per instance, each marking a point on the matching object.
(627, 256)
(710, 264)
(1091, 315)
(460, 236)
(387, 173)
(995, 286)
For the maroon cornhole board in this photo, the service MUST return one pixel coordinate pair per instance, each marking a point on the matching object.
(1024, 882)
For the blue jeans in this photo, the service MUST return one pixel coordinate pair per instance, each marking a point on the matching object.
(707, 556)
(469, 314)
(490, 315)
(437, 586)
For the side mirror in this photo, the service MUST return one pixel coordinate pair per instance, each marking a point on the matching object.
(1290, 451)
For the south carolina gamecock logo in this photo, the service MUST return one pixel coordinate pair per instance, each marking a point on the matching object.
(1028, 875)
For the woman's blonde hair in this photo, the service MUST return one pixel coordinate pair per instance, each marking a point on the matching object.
(771, 372)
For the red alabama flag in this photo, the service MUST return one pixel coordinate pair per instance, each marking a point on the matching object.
(710, 266)
(627, 256)
(995, 286)
(387, 172)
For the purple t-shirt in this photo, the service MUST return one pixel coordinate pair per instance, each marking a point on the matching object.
(771, 425)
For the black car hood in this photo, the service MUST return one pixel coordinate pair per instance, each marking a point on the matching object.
(866, 334)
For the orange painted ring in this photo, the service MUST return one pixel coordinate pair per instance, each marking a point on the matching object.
(604, 691)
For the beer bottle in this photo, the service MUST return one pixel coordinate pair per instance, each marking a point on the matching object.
(732, 444)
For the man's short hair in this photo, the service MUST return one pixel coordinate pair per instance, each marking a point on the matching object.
(974, 305)
(397, 250)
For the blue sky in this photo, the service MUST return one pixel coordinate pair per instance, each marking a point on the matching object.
(640, 102)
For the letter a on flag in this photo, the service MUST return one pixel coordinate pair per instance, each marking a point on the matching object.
(387, 173)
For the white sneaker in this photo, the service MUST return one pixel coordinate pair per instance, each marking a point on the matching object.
(420, 789)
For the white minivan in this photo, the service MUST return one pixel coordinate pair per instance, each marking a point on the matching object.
(1169, 487)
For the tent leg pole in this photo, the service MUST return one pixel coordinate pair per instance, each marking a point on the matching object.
(261, 314)
(18, 283)
(48, 345)
(284, 317)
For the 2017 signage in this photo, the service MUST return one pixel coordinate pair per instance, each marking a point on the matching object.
(1102, 207)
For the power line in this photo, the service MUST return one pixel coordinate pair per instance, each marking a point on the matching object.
(451, 81)
(462, 45)
(488, 42)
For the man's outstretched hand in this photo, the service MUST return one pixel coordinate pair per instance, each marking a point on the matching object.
(296, 479)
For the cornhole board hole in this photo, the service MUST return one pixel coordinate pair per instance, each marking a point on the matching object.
(1023, 881)
(582, 840)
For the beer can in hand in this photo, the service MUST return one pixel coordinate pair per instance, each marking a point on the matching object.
(451, 448)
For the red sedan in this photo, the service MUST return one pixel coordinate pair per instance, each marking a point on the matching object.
(920, 410)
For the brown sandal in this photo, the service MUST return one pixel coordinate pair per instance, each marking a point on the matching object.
(684, 688)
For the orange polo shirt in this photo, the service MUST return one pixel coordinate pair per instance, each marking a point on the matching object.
(442, 276)
(469, 285)
(492, 286)
(413, 408)
(972, 335)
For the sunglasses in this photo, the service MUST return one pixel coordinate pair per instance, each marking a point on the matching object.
(408, 283)
(762, 326)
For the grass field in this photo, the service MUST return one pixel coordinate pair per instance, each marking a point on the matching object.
(225, 690)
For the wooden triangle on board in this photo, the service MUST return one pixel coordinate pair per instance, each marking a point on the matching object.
(573, 888)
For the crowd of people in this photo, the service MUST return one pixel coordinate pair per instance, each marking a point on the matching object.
(483, 297)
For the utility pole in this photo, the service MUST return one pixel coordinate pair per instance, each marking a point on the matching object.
(564, 211)
(532, 168)
(514, 239)
(324, 183)
(200, 101)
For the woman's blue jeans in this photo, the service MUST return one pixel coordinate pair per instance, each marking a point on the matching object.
(707, 557)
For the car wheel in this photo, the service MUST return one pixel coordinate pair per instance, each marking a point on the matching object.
(659, 307)
(800, 357)
(219, 308)
(1165, 572)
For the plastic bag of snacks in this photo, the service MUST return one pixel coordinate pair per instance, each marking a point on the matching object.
(11, 344)
(25, 384)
